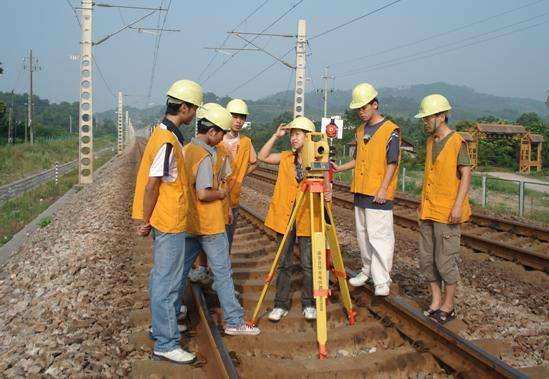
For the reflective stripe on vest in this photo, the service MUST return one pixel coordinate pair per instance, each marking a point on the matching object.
(371, 161)
(441, 182)
(169, 210)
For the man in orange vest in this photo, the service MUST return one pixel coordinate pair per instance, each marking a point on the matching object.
(243, 157)
(444, 205)
(373, 185)
(243, 160)
(287, 187)
(159, 204)
(206, 215)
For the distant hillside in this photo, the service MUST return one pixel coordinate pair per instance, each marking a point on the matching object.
(404, 101)
(397, 102)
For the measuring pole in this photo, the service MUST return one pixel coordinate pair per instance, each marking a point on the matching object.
(85, 121)
(120, 119)
(299, 94)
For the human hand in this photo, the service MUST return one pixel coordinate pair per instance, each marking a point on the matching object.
(381, 196)
(280, 131)
(144, 230)
(455, 215)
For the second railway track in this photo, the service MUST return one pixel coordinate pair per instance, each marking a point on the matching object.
(391, 337)
(522, 243)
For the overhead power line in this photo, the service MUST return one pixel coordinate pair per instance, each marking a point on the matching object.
(228, 36)
(157, 46)
(228, 59)
(333, 29)
(440, 52)
(438, 35)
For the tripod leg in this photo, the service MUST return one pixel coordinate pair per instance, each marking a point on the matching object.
(339, 267)
(270, 275)
(320, 278)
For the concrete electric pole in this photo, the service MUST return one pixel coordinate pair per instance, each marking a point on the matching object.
(120, 125)
(85, 120)
(299, 93)
(325, 91)
(31, 65)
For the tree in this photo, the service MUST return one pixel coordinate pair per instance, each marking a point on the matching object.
(532, 122)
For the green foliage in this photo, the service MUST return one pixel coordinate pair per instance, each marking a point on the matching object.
(44, 222)
(20, 160)
(51, 120)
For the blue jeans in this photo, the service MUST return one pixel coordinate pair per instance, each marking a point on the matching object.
(164, 284)
(232, 227)
(216, 248)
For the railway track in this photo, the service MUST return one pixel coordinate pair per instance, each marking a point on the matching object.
(391, 337)
(515, 241)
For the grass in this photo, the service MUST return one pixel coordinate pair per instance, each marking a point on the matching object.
(18, 212)
(21, 160)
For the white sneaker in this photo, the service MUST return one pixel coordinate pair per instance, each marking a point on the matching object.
(277, 313)
(359, 280)
(177, 355)
(199, 275)
(242, 330)
(309, 313)
(182, 313)
(382, 290)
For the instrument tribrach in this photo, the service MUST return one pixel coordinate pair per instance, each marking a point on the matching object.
(326, 253)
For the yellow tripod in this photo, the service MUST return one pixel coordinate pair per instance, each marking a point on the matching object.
(326, 254)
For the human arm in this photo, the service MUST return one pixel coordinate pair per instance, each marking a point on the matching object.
(265, 154)
(149, 201)
(466, 174)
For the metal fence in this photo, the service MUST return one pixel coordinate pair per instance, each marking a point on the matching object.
(21, 186)
(520, 197)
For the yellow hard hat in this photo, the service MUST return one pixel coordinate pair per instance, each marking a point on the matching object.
(186, 90)
(216, 114)
(302, 123)
(433, 104)
(362, 95)
(237, 106)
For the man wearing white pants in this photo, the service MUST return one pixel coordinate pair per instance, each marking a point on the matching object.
(374, 183)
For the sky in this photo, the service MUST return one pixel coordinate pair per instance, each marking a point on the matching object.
(381, 48)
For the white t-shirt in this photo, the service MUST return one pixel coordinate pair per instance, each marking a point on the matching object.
(164, 164)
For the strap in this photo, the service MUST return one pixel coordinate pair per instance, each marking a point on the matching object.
(172, 128)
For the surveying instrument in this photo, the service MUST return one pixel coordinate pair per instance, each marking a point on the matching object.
(325, 250)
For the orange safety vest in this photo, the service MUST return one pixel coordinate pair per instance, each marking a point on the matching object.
(169, 211)
(284, 197)
(441, 182)
(203, 218)
(371, 161)
(240, 165)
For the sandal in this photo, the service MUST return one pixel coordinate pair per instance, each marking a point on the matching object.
(429, 312)
(443, 317)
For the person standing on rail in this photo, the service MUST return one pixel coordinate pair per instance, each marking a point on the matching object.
(243, 161)
(159, 204)
(205, 214)
(290, 175)
(444, 205)
(373, 185)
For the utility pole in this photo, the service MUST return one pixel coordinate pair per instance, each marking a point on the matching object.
(10, 125)
(31, 65)
(126, 127)
(70, 124)
(325, 92)
(120, 119)
(299, 94)
(85, 119)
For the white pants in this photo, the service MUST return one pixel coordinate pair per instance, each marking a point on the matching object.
(376, 240)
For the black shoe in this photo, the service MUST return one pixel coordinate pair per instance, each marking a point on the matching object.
(443, 317)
